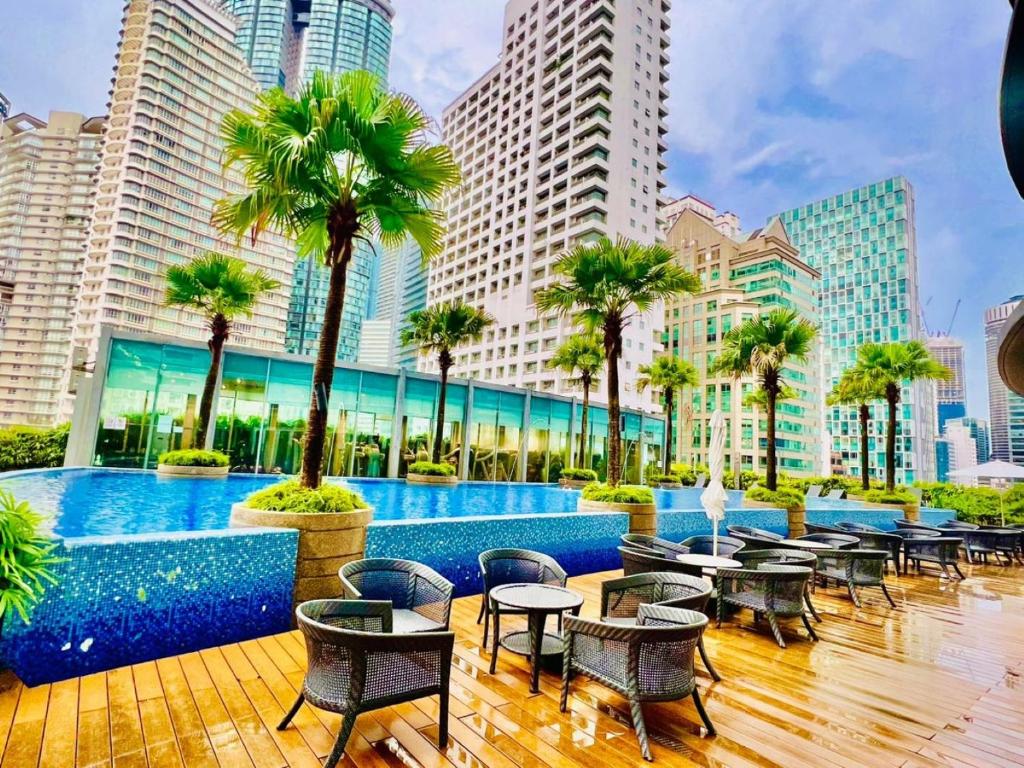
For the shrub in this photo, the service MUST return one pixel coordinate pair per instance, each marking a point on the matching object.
(289, 496)
(848, 483)
(747, 479)
(194, 458)
(785, 496)
(579, 473)
(654, 479)
(432, 470)
(31, 448)
(26, 558)
(973, 505)
(899, 496)
(623, 494)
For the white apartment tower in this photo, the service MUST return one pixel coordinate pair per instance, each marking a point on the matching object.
(178, 72)
(46, 172)
(561, 142)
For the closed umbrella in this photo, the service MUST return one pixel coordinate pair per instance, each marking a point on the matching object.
(713, 499)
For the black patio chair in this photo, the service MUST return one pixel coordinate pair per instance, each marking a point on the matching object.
(754, 538)
(772, 590)
(847, 526)
(421, 598)
(704, 545)
(356, 664)
(753, 558)
(924, 546)
(834, 540)
(821, 528)
(890, 543)
(653, 543)
(514, 566)
(636, 561)
(854, 568)
(982, 543)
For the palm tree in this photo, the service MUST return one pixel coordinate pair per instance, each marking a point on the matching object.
(669, 374)
(582, 357)
(607, 284)
(218, 287)
(891, 366)
(762, 346)
(342, 161)
(438, 330)
(858, 389)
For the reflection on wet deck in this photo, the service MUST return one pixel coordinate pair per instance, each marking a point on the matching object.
(936, 682)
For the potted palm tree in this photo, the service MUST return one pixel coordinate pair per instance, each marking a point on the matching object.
(581, 358)
(857, 389)
(438, 330)
(343, 160)
(669, 374)
(603, 287)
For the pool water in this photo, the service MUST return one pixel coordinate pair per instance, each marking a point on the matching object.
(104, 502)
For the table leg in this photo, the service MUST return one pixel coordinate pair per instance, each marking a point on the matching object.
(536, 620)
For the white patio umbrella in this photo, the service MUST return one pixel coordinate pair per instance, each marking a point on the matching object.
(990, 470)
(714, 497)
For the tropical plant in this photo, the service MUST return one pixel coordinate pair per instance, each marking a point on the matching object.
(763, 346)
(891, 366)
(669, 374)
(220, 288)
(342, 161)
(31, 447)
(291, 496)
(859, 389)
(193, 458)
(604, 286)
(886, 496)
(27, 558)
(617, 494)
(579, 473)
(431, 469)
(783, 496)
(438, 330)
(582, 357)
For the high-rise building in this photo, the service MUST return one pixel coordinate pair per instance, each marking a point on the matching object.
(728, 223)
(285, 42)
(46, 173)
(561, 142)
(963, 449)
(178, 73)
(741, 278)
(864, 244)
(401, 290)
(951, 394)
(5, 107)
(979, 432)
(1005, 408)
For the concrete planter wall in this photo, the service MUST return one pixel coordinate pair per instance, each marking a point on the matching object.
(643, 518)
(566, 482)
(670, 486)
(431, 479)
(170, 470)
(911, 512)
(796, 516)
(326, 542)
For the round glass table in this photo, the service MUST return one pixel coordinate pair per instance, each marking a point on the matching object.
(710, 563)
(805, 544)
(537, 601)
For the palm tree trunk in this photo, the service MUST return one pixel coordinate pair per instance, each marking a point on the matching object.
(865, 467)
(771, 478)
(612, 350)
(892, 397)
(445, 361)
(669, 398)
(219, 329)
(581, 460)
(323, 373)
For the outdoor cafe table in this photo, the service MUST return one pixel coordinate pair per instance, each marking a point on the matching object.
(709, 563)
(805, 544)
(537, 601)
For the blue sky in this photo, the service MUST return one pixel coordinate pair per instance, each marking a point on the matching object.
(774, 103)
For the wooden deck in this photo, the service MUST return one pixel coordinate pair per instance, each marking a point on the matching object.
(936, 682)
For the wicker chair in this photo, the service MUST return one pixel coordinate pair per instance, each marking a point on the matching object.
(835, 540)
(959, 525)
(854, 568)
(982, 543)
(635, 561)
(704, 545)
(819, 528)
(914, 525)
(923, 546)
(421, 598)
(848, 527)
(653, 543)
(773, 590)
(887, 542)
(356, 665)
(621, 600)
(754, 538)
(753, 558)
(651, 661)
(514, 566)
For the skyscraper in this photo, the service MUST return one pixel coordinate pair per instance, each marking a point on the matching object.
(560, 143)
(978, 429)
(178, 73)
(285, 42)
(401, 290)
(951, 394)
(5, 107)
(864, 244)
(1006, 409)
(742, 276)
(46, 173)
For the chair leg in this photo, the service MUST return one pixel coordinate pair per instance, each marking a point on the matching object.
(339, 746)
(487, 624)
(442, 724)
(497, 634)
(885, 591)
(776, 632)
(853, 593)
(703, 713)
(811, 608)
(483, 608)
(810, 629)
(640, 727)
(291, 712)
(707, 662)
(959, 573)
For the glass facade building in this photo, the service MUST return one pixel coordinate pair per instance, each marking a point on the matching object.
(143, 398)
(863, 243)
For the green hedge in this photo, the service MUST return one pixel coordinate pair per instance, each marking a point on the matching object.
(31, 448)
(655, 479)
(786, 497)
(579, 473)
(849, 483)
(432, 470)
(289, 496)
(193, 458)
(623, 494)
(984, 506)
(882, 496)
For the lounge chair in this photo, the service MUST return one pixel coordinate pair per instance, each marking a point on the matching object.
(701, 481)
(813, 492)
(772, 590)
(836, 494)
(514, 566)
(421, 598)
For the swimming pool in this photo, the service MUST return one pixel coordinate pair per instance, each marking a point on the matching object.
(106, 502)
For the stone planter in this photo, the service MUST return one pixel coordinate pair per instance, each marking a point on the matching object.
(326, 542)
(170, 470)
(643, 518)
(670, 486)
(431, 479)
(565, 482)
(911, 512)
(795, 516)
